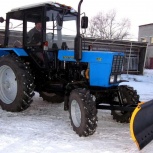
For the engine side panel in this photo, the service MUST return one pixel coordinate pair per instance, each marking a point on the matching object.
(100, 65)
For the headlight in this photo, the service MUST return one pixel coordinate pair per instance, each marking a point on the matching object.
(112, 78)
(118, 78)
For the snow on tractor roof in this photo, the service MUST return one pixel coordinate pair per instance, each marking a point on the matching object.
(55, 4)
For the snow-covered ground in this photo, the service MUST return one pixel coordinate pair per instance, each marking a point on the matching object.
(45, 128)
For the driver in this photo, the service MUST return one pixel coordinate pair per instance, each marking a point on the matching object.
(34, 38)
(34, 35)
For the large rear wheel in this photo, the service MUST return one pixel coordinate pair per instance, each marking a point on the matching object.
(127, 96)
(83, 112)
(17, 87)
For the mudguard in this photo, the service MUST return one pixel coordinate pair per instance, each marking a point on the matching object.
(141, 124)
(18, 51)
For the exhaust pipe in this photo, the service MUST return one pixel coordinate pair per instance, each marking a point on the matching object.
(78, 38)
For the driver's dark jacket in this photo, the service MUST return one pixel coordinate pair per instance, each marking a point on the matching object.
(34, 36)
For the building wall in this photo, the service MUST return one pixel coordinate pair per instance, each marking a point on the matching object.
(146, 31)
(146, 35)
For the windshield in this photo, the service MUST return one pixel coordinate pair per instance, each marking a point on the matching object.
(60, 28)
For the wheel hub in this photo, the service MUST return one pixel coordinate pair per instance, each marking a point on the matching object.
(8, 88)
(76, 113)
(7, 85)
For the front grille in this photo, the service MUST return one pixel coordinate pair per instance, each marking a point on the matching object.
(117, 64)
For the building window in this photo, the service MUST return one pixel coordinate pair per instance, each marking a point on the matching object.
(151, 40)
(143, 40)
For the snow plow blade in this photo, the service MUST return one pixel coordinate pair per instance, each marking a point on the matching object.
(141, 124)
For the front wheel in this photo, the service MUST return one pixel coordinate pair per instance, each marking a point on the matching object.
(127, 96)
(83, 112)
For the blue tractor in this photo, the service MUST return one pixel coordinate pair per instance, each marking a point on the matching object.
(61, 68)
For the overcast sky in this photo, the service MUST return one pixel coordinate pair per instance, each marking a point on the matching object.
(139, 12)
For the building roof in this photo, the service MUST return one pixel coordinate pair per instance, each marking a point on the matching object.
(146, 24)
(126, 43)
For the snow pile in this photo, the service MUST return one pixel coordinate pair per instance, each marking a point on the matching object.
(147, 77)
(142, 83)
(45, 127)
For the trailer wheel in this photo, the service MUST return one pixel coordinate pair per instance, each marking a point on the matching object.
(83, 112)
(51, 97)
(129, 96)
(16, 84)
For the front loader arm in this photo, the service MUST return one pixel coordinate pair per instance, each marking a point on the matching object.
(141, 124)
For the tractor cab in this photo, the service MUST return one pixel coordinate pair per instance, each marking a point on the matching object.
(38, 56)
(41, 29)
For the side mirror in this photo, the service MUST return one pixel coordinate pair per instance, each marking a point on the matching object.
(2, 19)
(84, 22)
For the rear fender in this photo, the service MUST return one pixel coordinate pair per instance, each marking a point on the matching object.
(17, 51)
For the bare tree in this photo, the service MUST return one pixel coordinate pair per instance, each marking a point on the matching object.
(106, 26)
